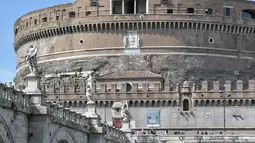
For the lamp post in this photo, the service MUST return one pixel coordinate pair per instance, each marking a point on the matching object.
(223, 95)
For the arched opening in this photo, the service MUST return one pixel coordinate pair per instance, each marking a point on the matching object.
(185, 105)
(16, 31)
(248, 13)
(208, 11)
(71, 14)
(44, 19)
(63, 141)
(190, 10)
(129, 87)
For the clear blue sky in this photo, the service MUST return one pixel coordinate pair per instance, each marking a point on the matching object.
(10, 11)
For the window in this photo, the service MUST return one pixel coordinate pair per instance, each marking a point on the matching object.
(117, 7)
(129, 7)
(248, 13)
(93, 2)
(129, 87)
(71, 14)
(164, 1)
(57, 17)
(169, 10)
(208, 11)
(153, 118)
(185, 105)
(16, 31)
(88, 13)
(190, 10)
(227, 11)
(141, 6)
(35, 21)
(44, 19)
(63, 141)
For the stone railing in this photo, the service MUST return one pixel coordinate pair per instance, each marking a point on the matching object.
(113, 134)
(68, 117)
(11, 98)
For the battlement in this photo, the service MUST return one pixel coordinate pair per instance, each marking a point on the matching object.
(14, 99)
(205, 86)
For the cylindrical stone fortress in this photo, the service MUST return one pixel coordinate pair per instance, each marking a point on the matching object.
(181, 40)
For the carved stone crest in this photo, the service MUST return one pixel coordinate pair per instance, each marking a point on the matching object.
(132, 40)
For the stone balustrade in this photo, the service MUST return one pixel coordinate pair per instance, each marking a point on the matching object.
(14, 99)
(68, 117)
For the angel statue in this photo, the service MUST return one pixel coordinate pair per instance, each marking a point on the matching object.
(31, 60)
(125, 41)
(89, 87)
(124, 110)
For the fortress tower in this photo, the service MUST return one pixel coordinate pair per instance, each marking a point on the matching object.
(168, 58)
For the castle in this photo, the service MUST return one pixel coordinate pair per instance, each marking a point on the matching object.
(183, 69)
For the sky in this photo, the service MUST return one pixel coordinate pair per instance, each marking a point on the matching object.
(11, 10)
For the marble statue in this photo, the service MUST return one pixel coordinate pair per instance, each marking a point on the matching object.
(89, 88)
(31, 60)
(125, 41)
(124, 110)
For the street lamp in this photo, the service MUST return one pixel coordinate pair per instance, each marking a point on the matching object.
(224, 95)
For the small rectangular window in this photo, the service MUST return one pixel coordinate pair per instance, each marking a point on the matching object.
(227, 11)
(57, 17)
(88, 13)
(169, 10)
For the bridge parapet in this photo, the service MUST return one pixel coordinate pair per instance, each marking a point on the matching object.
(68, 117)
(113, 134)
(14, 99)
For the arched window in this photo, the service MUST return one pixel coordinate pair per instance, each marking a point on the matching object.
(208, 11)
(71, 14)
(248, 13)
(190, 10)
(35, 21)
(44, 19)
(129, 87)
(63, 141)
(185, 105)
(16, 31)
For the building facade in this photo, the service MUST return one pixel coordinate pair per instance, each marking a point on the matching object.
(185, 67)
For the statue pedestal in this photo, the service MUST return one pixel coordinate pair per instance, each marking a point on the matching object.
(126, 126)
(34, 91)
(91, 112)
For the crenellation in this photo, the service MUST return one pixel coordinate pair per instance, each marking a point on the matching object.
(228, 85)
(204, 86)
(216, 86)
(145, 87)
(239, 85)
(103, 88)
(167, 86)
(156, 87)
(123, 88)
(134, 87)
(113, 88)
(252, 85)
